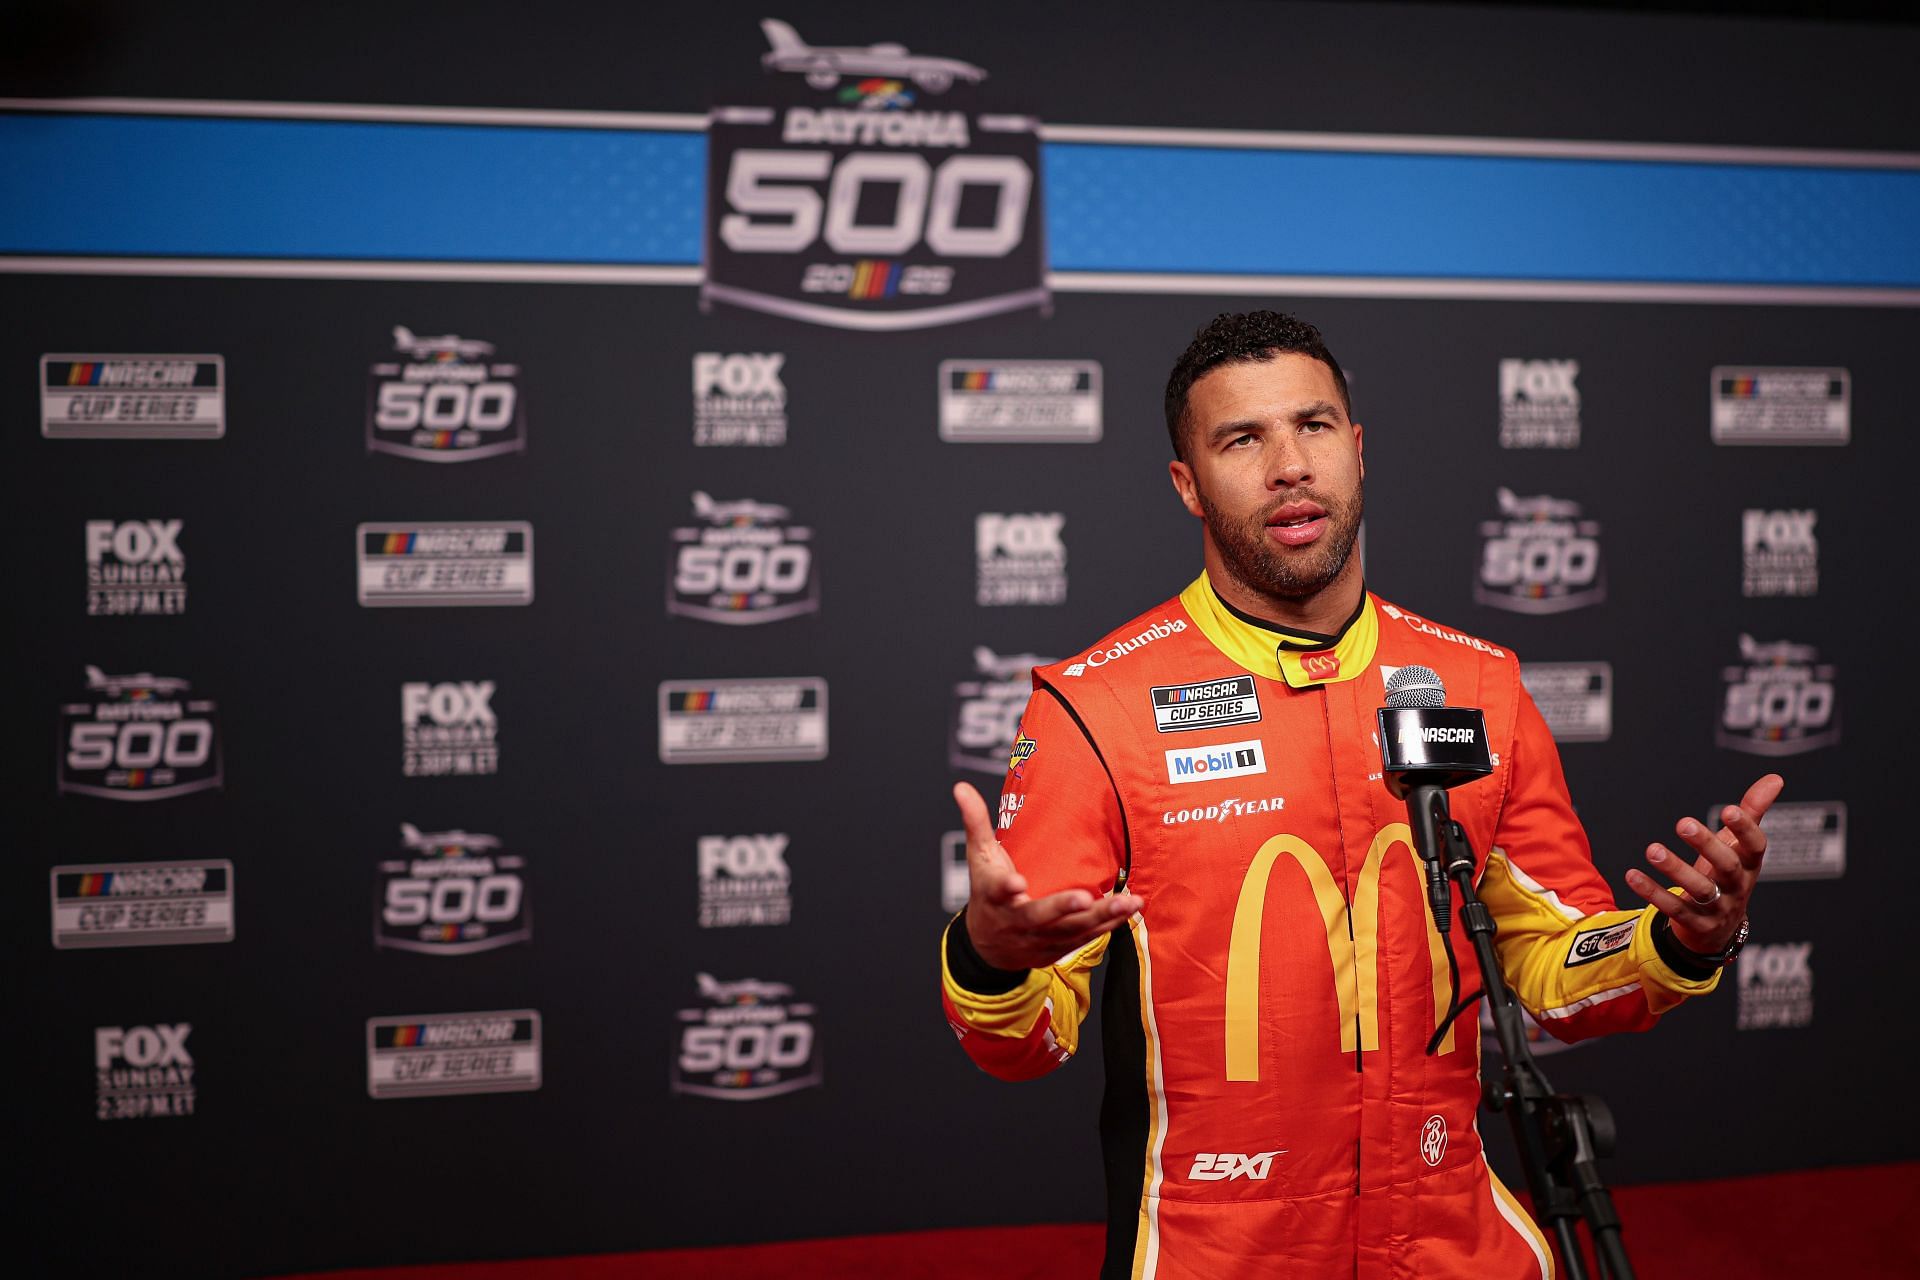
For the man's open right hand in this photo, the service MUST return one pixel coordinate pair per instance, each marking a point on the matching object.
(1011, 930)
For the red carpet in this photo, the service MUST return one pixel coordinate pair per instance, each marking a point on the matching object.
(1855, 1222)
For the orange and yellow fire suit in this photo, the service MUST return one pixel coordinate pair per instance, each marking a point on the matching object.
(1271, 1109)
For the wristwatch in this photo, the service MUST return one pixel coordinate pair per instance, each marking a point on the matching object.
(1705, 960)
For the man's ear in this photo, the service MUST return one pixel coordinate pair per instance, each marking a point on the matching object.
(1358, 450)
(1182, 476)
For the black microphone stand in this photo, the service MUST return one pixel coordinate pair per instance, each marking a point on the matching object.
(1561, 1136)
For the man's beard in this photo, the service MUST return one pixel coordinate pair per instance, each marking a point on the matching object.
(1271, 569)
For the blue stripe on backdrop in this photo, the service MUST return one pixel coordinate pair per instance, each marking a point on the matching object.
(325, 189)
(169, 186)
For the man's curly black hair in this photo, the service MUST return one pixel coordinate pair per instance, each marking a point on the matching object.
(1239, 338)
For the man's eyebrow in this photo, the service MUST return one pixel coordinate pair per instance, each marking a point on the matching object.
(1237, 427)
(1304, 413)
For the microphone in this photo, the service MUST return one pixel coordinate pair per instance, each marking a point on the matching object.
(1426, 748)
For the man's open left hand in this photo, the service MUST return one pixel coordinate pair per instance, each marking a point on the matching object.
(1715, 885)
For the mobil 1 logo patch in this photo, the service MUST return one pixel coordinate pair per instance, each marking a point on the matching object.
(425, 1055)
(1020, 401)
(744, 880)
(739, 398)
(1539, 404)
(431, 563)
(444, 399)
(1539, 556)
(745, 563)
(861, 186)
(1781, 406)
(143, 1072)
(138, 737)
(1780, 700)
(732, 721)
(1205, 764)
(745, 1040)
(1575, 698)
(1779, 554)
(448, 729)
(1806, 840)
(133, 397)
(135, 567)
(1205, 704)
(450, 893)
(142, 904)
(987, 707)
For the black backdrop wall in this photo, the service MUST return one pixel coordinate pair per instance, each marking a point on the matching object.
(607, 639)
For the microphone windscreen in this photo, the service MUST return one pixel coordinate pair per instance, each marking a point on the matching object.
(1415, 687)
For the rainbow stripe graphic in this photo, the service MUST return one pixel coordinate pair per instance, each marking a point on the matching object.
(137, 777)
(96, 884)
(1742, 388)
(399, 544)
(84, 373)
(977, 380)
(407, 1037)
(695, 700)
(874, 278)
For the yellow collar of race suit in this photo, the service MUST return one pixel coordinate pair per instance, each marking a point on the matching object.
(1301, 658)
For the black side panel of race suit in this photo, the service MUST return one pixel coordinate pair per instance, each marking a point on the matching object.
(1123, 1108)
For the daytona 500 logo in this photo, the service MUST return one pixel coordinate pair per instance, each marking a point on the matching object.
(864, 192)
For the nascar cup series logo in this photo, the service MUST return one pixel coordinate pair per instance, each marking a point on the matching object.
(1539, 404)
(1574, 698)
(1020, 401)
(444, 1053)
(451, 893)
(731, 721)
(744, 880)
(1806, 839)
(747, 1039)
(1780, 700)
(133, 397)
(955, 878)
(744, 564)
(1020, 558)
(438, 563)
(448, 729)
(1782, 406)
(1779, 554)
(867, 191)
(1205, 704)
(739, 399)
(142, 904)
(138, 737)
(135, 567)
(1540, 556)
(444, 401)
(140, 1072)
(987, 707)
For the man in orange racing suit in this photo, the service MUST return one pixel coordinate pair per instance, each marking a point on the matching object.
(1207, 778)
